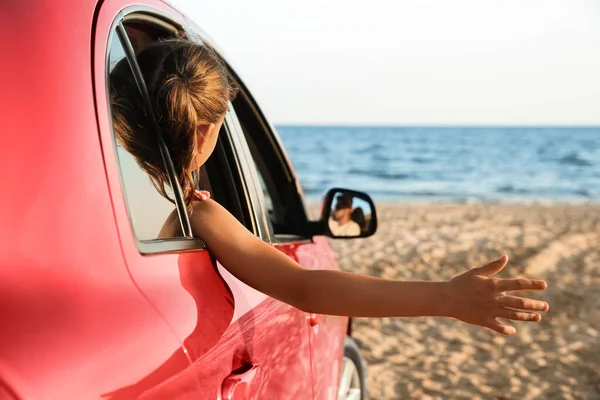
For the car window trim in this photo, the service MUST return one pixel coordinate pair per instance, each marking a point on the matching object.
(238, 162)
(145, 14)
(250, 176)
(288, 238)
(158, 246)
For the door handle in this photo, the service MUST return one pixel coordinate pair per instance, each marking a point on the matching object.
(243, 385)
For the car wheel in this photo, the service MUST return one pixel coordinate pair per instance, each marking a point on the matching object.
(353, 379)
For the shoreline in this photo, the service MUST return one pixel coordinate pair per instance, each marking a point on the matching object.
(314, 201)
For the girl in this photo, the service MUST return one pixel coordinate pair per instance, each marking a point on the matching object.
(190, 89)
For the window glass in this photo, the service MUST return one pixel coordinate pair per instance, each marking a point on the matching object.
(222, 177)
(271, 202)
(280, 196)
(284, 204)
(148, 209)
(267, 196)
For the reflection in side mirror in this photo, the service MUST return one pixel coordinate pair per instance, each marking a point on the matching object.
(348, 214)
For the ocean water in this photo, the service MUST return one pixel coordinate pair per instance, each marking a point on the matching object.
(449, 164)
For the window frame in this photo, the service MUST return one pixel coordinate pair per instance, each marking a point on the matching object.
(287, 187)
(227, 142)
(249, 174)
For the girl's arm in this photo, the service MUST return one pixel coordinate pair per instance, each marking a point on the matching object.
(474, 297)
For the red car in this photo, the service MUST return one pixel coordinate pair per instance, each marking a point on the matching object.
(92, 304)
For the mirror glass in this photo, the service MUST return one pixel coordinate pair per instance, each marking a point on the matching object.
(350, 215)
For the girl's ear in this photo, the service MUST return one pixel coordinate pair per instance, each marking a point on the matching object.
(203, 133)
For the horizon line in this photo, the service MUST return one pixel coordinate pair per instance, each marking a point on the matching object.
(413, 125)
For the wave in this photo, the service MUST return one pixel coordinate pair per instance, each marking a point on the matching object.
(388, 175)
(313, 191)
(371, 148)
(379, 157)
(421, 160)
(512, 190)
(583, 193)
(574, 159)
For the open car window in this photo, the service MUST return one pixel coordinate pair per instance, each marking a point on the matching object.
(147, 208)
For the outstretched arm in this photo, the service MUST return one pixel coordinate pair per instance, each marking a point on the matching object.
(474, 297)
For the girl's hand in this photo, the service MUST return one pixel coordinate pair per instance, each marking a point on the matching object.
(477, 298)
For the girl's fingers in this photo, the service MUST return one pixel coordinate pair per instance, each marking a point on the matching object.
(522, 303)
(202, 194)
(506, 285)
(499, 327)
(518, 315)
(492, 268)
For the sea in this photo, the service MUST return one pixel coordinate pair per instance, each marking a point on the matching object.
(448, 164)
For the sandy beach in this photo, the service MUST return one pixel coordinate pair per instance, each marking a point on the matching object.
(420, 358)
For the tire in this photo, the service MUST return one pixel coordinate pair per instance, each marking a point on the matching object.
(353, 377)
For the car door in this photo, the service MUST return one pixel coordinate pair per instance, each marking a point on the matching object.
(286, 219)
(158, 267)
(240, 343)
(73, 324)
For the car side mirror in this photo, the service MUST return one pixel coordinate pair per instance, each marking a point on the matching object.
(348, 214)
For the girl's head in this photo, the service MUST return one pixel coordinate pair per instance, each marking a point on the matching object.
(189, 88)
(358, 216)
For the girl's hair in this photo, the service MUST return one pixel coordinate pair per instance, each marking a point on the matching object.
(358, 216)
(188, 84)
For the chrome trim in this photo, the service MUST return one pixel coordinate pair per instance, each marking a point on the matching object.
(240, 167)
(164, 18)
(157, 246)
(290, 238)
(143, 13)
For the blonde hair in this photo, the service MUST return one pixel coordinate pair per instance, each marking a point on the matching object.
(188, 84)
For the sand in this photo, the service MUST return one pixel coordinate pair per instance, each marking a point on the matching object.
(421, 358)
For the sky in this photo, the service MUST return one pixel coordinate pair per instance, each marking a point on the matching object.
(412, 62)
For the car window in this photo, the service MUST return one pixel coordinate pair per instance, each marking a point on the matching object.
(282, 201)
(273, 206)
(268, 201)
(221, 175)
(148, 209)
